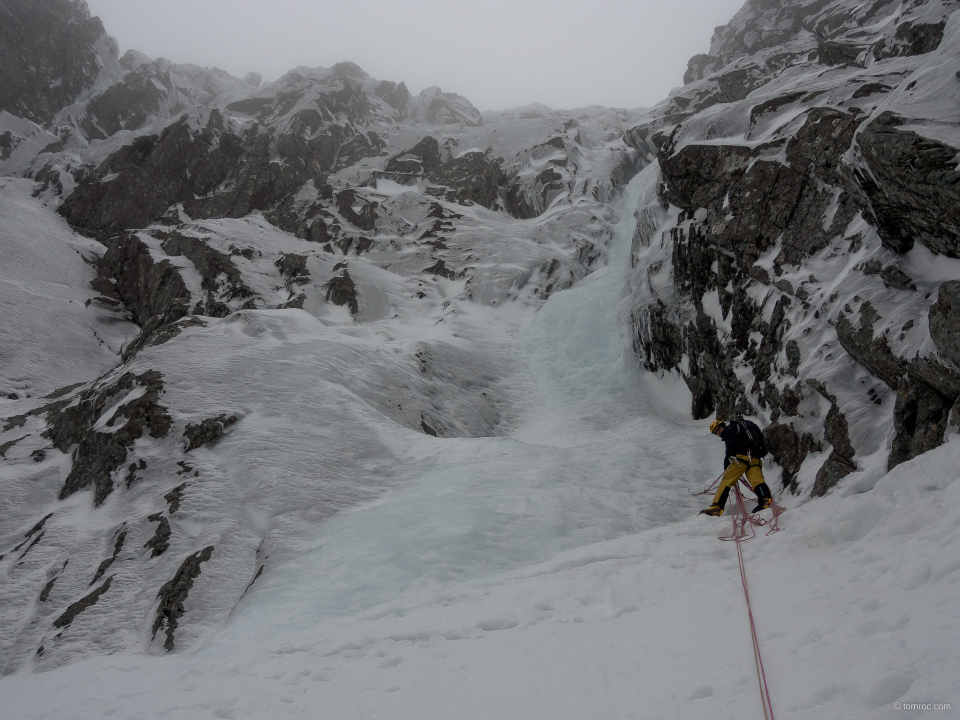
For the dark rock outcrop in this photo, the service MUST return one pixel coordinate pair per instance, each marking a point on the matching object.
(82, 604)
(197, 434)
(293, 266)
(945, 321)
(440, 269)
(700, 66)
(32, 533)
(341, 289)
(790, 449)
(752, 201)
(261, 184)
(841, 53)
(360, 146)
(174, 592)
(8, 143)
(529, 199)
(913, 186)
(155, 333)
(315, 224)
(218, 275)
(357, 210)
(7, 445)
(48, 55)
(920, 419)
(48, 588)
(160, 541)
(105, 565)
(137, 184)
(175, 497)
(98, 454)
(151, 290)
(442, 108)
(911, 38)
(926, 388)
(836, 431)
(422, 159)
(128, 104)
(474, 178)
(154, 292)
(397, 96)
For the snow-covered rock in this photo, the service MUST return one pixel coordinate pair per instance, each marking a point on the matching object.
(237, 226)
(804, 227)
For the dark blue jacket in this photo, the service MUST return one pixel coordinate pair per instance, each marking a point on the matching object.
(735, 440)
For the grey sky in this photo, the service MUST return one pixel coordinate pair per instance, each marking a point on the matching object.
(498, 53)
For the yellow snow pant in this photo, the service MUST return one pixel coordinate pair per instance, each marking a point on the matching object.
(753, 467)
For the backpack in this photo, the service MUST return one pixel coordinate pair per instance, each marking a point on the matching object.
(752, 437)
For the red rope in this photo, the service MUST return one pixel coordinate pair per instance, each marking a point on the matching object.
(743, 523)
(710, 489)
(758, 660)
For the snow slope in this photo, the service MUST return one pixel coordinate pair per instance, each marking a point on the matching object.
(46, 302)
(335, 408)
(559, 570)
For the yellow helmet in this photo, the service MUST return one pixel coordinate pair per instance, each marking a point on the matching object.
(715, 424)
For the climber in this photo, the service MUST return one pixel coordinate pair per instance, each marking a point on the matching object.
(745, 450)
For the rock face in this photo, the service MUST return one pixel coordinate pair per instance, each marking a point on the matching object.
(944, 320)
(912, 185)
(126, 105)
(422, 159)
(153, 291)
(173, 594)
(219, 275)
(471, 177)
(802, 161)
(49, 55)
(341, 289)
(80, 605)
(160, 542)
(198, 434)
(104, 566)
(103, 439)
(137, 184)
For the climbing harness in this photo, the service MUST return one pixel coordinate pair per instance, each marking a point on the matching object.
(743, 523)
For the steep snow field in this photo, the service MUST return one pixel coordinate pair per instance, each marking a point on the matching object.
(558, 571)
(46, 301)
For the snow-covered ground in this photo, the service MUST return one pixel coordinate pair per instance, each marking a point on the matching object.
(46, 302)
(556, 571)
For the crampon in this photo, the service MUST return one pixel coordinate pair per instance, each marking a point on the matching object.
(745, 522)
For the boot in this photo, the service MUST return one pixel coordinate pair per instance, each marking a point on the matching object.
(764, 498)
(762, 504)
(713, 511)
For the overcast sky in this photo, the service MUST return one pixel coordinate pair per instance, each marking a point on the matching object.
(498, 53)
